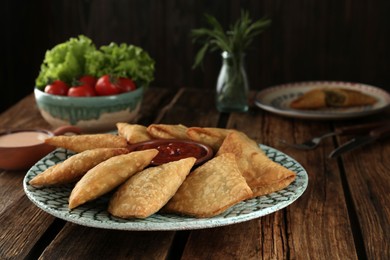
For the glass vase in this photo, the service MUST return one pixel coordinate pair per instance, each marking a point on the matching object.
(232, 85)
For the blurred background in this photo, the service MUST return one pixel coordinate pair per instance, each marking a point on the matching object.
(338, 40)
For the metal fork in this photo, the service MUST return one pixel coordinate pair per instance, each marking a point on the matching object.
(315, 141)
(309, 144)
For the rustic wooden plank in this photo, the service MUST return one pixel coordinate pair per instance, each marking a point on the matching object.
(21, 224)
(366, 171)
(369, 186)
(247, 240)
(154, 100)
(191, 107)
(318, 222)
(315, 226)
(10, 188)
(24, 114)
(79, 242)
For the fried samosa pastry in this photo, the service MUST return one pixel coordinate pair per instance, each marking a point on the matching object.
(79, 143)
(210, 189)
(261, 173)
(167, 131)
(148, 191)
(313, 99)
(347, 98)
(73, 168)
(332, 97)
(210, 136)
(108, 175)
(133, 133)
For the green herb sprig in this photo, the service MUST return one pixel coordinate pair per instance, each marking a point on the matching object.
(235, 40)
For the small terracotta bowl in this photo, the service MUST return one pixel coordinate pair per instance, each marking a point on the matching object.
(24, 153)
(175, 149)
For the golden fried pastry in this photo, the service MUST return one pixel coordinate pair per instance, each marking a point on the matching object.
(210, 189)
(312, 99)
(347, 98)
(167, 131)
(332, 97)
(79, 143)
(148, 191)
(210, 136)
(73, 168)
(133, 133)
(108, 175)
(261, 173)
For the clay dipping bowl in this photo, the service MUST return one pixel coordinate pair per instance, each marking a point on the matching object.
(24, 153)
(175, 149)
(90, 114)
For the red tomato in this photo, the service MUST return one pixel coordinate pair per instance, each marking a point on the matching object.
(126, 84)
(88, 80)
(57, 87)
(106, 86)
(82, 91)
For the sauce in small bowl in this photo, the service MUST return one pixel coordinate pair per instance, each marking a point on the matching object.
(175, 149)
(22, 148)
(23, 138)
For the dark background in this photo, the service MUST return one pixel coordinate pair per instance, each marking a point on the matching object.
(346, 40)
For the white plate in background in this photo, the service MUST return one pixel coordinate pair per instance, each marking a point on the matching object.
(277, 100)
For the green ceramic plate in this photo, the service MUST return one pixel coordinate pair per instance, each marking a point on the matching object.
(54, 200)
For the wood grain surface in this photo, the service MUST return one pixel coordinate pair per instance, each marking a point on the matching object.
(343, 214)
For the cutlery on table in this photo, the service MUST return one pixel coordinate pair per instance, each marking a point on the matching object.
(347, 130)
(372, 136)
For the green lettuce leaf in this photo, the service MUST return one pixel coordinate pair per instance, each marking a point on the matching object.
(65, 61)
(121, 61)
(78, 56)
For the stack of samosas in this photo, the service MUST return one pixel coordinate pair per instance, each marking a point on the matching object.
(240, 170)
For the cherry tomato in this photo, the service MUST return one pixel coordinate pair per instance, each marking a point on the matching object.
(88, 80)
(126, 84)
(57, 87)
(82, 91)
(106, 86)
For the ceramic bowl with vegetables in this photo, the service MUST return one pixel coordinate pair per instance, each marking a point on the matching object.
(92, 88)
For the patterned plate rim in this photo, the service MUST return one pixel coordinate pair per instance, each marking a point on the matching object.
(94, 214)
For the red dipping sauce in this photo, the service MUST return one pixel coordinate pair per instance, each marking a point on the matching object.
(175, 149)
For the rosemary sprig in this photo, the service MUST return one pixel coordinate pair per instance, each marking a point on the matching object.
(235, 40)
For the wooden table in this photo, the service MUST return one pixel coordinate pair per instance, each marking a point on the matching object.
(343, 214)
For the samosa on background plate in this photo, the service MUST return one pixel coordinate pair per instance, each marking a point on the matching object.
(332, 97)
(313, 99)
